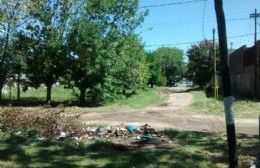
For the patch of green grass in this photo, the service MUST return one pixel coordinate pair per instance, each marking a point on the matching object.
(242, 108)
(59, 94)
(187, 149)
(144, 98)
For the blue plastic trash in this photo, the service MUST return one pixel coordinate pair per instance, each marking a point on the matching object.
(132, 128)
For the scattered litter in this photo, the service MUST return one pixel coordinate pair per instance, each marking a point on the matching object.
(101, 131)
(132, 127)
(62, 136)
(41, 138)
(18, 133)
(131, 135)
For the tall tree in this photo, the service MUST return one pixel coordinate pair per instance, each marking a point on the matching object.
(19, 52)
(171, 63)
(156, 75)
(85, 69)
(200, 66)
(131, 71)
(95, 40)
(46, 61)
(13, 15)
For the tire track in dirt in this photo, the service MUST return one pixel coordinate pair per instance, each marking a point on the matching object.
(171, 114)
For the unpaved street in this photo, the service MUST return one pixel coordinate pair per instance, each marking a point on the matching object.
(172, 114)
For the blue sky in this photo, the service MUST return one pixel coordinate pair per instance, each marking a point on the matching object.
(184, 23)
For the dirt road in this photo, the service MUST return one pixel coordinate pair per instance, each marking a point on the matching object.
(172, 114)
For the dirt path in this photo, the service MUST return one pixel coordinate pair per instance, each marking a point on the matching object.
(172, 114)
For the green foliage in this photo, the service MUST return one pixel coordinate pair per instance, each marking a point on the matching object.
(156, 76)
(131, 70)
(85, 66)
(46, 50)
(171, 63)
(201, 66)
(100, 40)
(12, 14)
(144, 98)
(90, 45)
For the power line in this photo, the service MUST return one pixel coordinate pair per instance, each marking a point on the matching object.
(197, 21)
(192, 42)
(170, 4)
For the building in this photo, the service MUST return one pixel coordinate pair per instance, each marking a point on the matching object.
(245, 71)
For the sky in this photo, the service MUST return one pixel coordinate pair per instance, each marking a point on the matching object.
(191, 22)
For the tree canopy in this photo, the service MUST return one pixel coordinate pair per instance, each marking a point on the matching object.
(75, 42)
(201, 66)
(171, 61)
(90, 45)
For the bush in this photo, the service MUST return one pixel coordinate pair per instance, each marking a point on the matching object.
(48, 123)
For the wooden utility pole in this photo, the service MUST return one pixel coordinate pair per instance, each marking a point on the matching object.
(215, 67)
(226, 84)
(255, 16)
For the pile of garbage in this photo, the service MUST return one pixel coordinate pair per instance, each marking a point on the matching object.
(126, 134)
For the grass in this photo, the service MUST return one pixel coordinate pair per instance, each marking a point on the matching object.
(60, 95)
(144, 98)
(242, 108)
(187, 149)
(35, 96)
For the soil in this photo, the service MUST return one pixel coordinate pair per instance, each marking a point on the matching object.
(171, 114)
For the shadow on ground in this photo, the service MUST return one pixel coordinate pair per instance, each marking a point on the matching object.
(187, 149)
(36, 101)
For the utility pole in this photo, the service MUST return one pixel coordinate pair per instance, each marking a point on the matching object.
(231, 50)
(215, 67)
(255, 15)
(226, 84)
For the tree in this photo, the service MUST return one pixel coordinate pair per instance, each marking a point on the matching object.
(155, 70)
(131, 71)
(18, 64)
(100, 35)
(201, 66)
(85, 69)
(171, 63)
(47, 55)
(13, 15)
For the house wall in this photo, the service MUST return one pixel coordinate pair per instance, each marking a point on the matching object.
(242, 72)
(245, 82)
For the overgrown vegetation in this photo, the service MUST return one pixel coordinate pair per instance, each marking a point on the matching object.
(209, 105)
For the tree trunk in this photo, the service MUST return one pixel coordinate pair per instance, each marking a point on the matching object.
(82, 96)
(48, 97)
(10, 92)
(4, 55)
(1, 91)
(18, 87)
